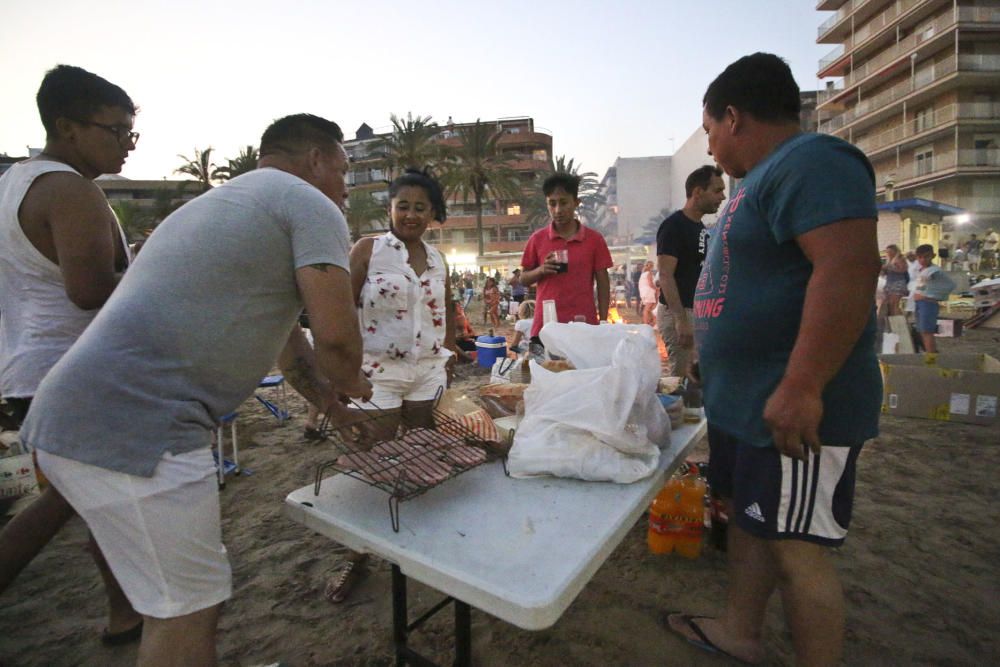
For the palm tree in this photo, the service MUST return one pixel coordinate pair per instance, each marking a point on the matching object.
(411, 144)
(653, 224)
(166, 201)
(476, 169)
(363, 210)
(537, 213)
(245, 161)
(201, 167)
(136, 223)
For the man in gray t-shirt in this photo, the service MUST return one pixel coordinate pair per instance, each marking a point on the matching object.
(122, 423)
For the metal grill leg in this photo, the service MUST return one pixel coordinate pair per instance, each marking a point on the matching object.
(463, 634)
(399, 614)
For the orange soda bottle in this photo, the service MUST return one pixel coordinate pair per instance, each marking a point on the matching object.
(692, 512)
(664, 515)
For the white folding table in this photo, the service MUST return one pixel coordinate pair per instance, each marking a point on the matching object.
(519, 549)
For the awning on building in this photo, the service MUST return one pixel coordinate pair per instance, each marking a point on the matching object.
(922, 205)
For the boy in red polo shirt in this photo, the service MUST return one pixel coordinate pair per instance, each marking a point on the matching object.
(588, 261)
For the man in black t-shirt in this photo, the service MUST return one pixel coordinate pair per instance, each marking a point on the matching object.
(681, 242)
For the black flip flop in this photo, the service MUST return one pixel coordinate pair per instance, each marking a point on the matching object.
(703, 642)
(122, 638)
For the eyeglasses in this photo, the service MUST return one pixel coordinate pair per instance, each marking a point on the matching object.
(121, 132)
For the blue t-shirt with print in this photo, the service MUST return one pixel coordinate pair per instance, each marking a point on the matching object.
(749, 299)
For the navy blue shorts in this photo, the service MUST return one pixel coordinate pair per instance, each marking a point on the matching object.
(927, 315)
(777, 497)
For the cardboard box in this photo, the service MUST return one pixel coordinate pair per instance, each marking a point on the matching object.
(947, 328)
(948, 387)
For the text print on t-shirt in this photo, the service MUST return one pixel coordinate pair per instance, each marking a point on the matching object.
(710, 308)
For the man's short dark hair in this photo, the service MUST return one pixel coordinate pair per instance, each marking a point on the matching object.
(924, 249)
(760, 84)
(568, 182)
(299, 132)
(74, 93)
(700, 178)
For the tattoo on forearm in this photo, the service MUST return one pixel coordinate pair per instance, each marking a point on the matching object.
(303, 379)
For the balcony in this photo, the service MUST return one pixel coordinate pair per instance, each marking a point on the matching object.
(831, 91)
(981, 205)
(922, 79)
(979, 14)
(979, 63)
(923, 125)
(835, 54)
(899, 50)
(838, 17)
(939, 165)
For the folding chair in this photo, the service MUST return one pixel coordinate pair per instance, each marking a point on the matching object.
(279, 409)
(220, 459)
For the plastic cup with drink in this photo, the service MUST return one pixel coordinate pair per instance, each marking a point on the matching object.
(561, 258)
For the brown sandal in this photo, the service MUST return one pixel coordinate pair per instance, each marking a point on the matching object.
(339, 587)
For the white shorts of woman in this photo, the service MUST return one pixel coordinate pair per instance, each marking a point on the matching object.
(161, 535)
(396, 381)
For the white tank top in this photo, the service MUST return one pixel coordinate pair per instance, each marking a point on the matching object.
(38, 322)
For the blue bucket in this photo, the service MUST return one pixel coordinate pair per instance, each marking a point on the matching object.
(489, 349)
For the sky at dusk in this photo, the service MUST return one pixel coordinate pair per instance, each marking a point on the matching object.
(606, 79)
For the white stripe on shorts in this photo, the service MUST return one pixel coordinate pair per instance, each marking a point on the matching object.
(807, 488)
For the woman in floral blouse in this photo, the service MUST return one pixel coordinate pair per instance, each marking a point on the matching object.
(403, 292)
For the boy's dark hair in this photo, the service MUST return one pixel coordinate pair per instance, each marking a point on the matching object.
(422, 179)
(924, 249)
(760, 84)
(568, 182)
(700, 178)
(299, 132)
(74, 93)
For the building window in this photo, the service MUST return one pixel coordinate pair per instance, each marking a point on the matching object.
(924, 120)
(924, 158)
(514, 209)
(987, 152)
(539, 154)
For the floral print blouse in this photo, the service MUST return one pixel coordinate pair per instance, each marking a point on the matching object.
(402, 314)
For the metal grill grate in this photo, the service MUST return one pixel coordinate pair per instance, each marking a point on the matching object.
(409, 461)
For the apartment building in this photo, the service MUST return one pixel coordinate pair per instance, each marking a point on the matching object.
(918, 90)
(528, 150)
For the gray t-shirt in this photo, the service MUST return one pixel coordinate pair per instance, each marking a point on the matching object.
(194, 325)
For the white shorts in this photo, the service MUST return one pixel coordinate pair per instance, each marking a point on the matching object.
(396, 381)
(161, 535)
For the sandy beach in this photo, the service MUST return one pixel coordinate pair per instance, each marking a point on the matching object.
(919, 570)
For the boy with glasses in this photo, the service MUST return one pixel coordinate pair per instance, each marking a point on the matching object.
(64, 253)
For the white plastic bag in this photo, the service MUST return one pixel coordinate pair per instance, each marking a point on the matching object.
(589, 346)
(600, 423)
(502, 369)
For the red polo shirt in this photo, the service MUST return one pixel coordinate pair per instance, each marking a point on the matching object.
(572, 291)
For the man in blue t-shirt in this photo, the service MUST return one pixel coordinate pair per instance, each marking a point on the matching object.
(785, 325)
